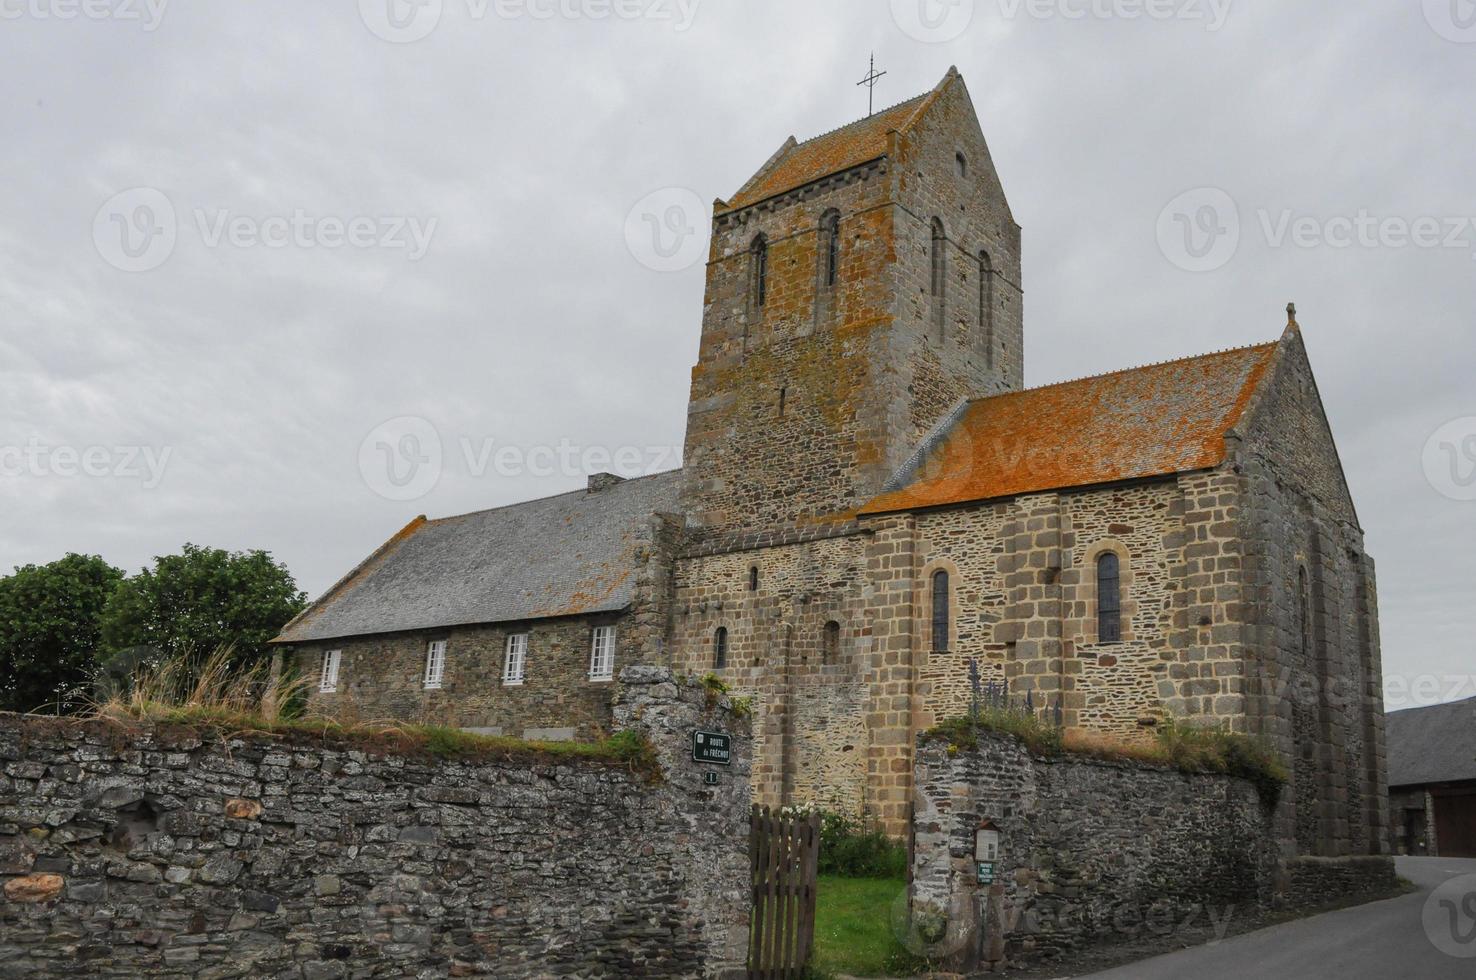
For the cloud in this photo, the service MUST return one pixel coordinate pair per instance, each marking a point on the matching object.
(527, 321)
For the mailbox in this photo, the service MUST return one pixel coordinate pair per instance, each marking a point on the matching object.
(986, 843)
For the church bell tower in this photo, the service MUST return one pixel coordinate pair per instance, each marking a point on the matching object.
(860, 287)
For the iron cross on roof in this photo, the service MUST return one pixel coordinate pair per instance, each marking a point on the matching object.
(872, 77)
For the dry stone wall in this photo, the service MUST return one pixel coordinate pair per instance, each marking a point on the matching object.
(164, 852)
(1090, 852)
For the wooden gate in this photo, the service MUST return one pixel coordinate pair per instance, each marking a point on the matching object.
(784, 855)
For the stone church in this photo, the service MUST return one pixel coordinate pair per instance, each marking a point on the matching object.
(871, 501)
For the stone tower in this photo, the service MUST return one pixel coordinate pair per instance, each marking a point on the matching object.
(860, 286)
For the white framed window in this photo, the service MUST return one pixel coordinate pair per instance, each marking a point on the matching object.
(602, 654)
(515, 658)
(435, 664)
(328, 671)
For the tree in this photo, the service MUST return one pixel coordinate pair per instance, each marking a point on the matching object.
(50, 625)
(193, 603)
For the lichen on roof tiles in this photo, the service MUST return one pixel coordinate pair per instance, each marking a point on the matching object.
(1150, 421)
(833, 152)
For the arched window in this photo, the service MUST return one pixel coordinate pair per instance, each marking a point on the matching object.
(753, 579)
(940, 611)
(962, 163)
(720, 648)
(1109, 598)
(830, 245)
(759, 264)
(986, 306)
(939, 278)
(830, 649)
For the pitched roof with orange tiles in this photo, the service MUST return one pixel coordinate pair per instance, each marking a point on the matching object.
(1145, 422)
(798, 164)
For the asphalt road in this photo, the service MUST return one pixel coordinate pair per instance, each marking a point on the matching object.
(1393, 940)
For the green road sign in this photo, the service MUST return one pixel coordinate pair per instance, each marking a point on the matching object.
(712, 748)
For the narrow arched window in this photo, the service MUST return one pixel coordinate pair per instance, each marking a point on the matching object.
(962, 164)
(940, 611)
(938, 281)
(720, 648)
(1109, 598)
(759, 275)
(830, 249)
(986, 306)
(830, 648)
(753, 578)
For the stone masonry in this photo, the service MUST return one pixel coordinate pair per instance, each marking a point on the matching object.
(170, 852)
(1096, 853)
(858, 424)
(1090, 853)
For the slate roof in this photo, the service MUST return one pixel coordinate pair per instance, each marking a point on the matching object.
(1149, 421)
(1432, 745)
(560, 556)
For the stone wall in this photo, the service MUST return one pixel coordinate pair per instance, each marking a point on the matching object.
(1312, 881)
(382, 677)
(165, 852)
(810, 737)
(1311, 617)
(1091, 852)
(801, 408)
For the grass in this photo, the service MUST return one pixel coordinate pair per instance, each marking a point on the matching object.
(853, 929)
(216, 695)
(1188, 748)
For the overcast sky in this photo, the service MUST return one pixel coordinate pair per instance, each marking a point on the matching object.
(239, 240)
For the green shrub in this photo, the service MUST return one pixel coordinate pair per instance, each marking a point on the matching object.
(1040, 737)
(848, 850)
